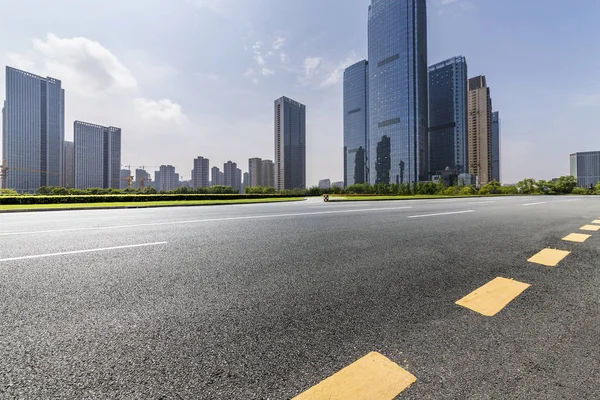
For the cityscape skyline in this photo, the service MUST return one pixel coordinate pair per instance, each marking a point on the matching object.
(142, 143)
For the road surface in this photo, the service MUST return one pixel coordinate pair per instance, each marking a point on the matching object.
(264, 301)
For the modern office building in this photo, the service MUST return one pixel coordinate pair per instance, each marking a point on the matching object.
(290, 144)
(215, 176)
(68, 170)
(229, 174)
(142, 179)
(124, 179)
(325, 184)
(33, 131)
(356, 89)
(480, 130)
(167, 178)
(97, 156)
(255, 171)
(448, 130)
(200, 173)
(496, 149)
(397, 102)
(238, 180)
(267, 174)
(585, 166)
(245, 181)
(339, 184)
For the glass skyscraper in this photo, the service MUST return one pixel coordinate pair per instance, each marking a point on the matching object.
(397, 87)
(97, 156)
(585, 166)
(33, 131)
(290, 144)
(496, 146)
(448, 126)
(356, 78)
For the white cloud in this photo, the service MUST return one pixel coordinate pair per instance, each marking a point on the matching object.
(267, 72)
(161, 110)
(250, 73)
(260, 60)
(336, 75)
(310, 68)
(278, 43)
(284, 58)
(444, 2)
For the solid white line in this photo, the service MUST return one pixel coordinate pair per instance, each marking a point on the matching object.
(482, 202)
(534, 204)
(81, 251)
(201, 220)
(437, 214)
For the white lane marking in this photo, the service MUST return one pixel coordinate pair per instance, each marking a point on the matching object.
(534, 204)
(482, 202)
(131, 246)
(437, 214)
(201, 220)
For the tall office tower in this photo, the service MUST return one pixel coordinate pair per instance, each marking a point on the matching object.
(238, 180)
(124, 178)
(585, 166)
(448, 146)
(398, 106)
(200, 173)
(268, 177)
(221, 178)
(229, 173)
(255, 171)
(68, 165)
(245, 181)
(290, 144)
(214, 176)
(168, 179)
(356, 89)
(33, 131)
(480, 130)
(156, 183)
(97, 156)
(496, 146)
(142, 179)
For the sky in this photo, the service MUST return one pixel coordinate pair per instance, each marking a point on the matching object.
(189, 78)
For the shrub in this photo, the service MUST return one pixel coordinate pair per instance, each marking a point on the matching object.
(468, 190)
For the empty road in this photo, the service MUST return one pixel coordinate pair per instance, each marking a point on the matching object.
(265, 301)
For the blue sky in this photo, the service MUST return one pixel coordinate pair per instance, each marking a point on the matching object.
(185, 78)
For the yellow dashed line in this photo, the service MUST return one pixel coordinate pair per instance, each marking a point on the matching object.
(373, 377)
(549, 257)
(577, 237)
(492, 297)
(596, 221)
(593, 228)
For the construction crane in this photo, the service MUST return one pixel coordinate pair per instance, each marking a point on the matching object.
(129, 178)
(4, 172)
(149, 179)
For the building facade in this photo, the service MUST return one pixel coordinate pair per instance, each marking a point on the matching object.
(255, 171)
(290, 144)
(167, 178)
(97, 156)
(325, 184)
(245, 182)
(238, 180)
(200, 173)
(267, 174)
(585, 166)
(496, 150)
(229, 174)
(448, 131)
(33, 131)
(397, 102)
(124, 179)
(142, 179)
(68, 165)
(356, 89)
(480, 130)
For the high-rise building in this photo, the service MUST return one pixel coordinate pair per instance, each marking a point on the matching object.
(33, 131)
(238, 180)
(124, 178)
(268, 177)
(229, 174)
(448, 132)
(397, 102)
(200, 173)
(245, 181)
(68, 165)
(496, 146)
(142, 179)
(255, 171)
(585, 166)
(290, 144)
(156, 183)
(215, 176)
(167, 178)
(97, 156)
(356, 89)
(480, 130)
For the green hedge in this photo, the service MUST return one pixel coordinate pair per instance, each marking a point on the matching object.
(129, 198)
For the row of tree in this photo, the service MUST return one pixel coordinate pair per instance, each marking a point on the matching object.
(563, 185)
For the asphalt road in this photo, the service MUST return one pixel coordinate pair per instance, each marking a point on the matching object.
(265, 301)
